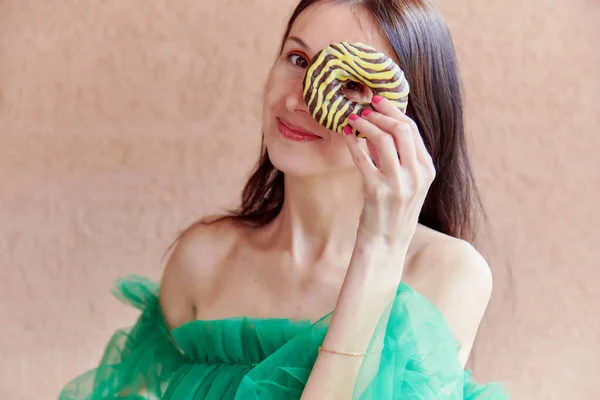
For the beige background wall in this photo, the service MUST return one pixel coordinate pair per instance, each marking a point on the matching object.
(122, 121)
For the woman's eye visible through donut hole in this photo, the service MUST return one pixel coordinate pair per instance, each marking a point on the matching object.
(357, 92)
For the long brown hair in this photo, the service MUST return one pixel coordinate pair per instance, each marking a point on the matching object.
(422, 42)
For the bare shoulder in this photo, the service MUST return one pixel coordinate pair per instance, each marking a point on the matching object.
(444, 261)
(192, 267)
(456, 278)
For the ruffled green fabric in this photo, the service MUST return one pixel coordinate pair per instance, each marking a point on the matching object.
(412, 355)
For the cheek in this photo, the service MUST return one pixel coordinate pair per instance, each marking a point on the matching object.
(273, 83)
(280, 84)
(269, 99)
(268, 90)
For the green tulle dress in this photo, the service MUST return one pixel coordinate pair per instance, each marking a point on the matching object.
(249, 358)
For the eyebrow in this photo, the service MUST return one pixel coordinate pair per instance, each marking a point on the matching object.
(299, 42)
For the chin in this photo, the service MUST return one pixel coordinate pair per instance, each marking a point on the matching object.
(293, 158)
(294, 163)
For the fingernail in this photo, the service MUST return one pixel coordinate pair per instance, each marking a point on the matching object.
(353, 117)
(366, 112)
(377, 99)
(348, 130)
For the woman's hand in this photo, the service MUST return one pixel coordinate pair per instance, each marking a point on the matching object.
(396, 182)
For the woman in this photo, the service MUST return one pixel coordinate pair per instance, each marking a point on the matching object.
(327, 222)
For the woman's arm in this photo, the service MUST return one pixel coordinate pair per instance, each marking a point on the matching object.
(396, 183)
(362, 301)
(458, 281)
(176, 303)
(189, 272)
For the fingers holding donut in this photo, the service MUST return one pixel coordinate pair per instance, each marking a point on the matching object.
(401, 133)
(362, 160)
(385, 144)
(396, 140)
(389, 132)
(388, 116)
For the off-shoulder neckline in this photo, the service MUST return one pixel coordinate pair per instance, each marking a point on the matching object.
(282, 320)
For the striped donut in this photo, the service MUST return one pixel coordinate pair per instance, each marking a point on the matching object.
(335, 67)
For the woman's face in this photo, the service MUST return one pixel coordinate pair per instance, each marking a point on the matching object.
(284, 111)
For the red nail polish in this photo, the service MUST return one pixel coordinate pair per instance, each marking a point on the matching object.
(348, 130)
(366, 112)
(353, 117)
(377, 99)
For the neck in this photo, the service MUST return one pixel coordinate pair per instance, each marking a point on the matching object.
(319, 218)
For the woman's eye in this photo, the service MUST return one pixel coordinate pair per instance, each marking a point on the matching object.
(297, 60)
(354, 86)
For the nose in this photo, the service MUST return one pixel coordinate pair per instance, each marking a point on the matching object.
(294, 102)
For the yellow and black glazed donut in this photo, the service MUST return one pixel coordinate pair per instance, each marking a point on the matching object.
(343, 68)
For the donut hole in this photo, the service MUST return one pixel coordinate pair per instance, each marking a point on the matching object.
(357, 92)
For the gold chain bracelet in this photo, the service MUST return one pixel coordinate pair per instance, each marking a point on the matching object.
(343, 353)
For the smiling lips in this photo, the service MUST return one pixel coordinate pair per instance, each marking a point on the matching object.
(296, 134)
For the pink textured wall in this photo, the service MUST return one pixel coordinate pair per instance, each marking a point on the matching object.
(121, 121)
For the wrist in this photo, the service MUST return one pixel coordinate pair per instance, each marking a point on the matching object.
(397, 244)
(370, 287)
(358, 311)
(377, 262)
